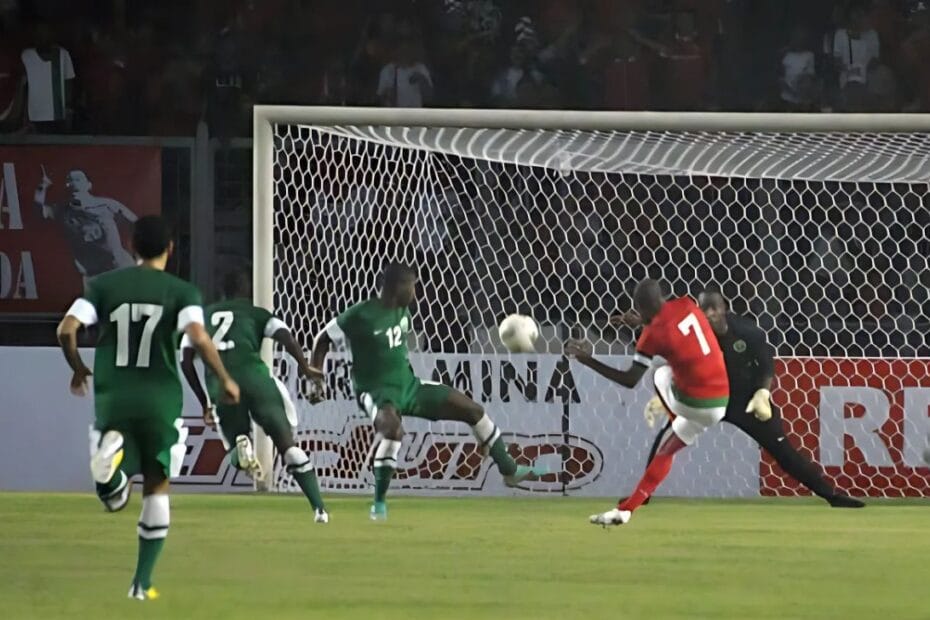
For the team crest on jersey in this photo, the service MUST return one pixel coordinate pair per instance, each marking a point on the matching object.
(739, 346)
(404, 324)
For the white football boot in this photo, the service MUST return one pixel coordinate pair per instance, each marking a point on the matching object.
(248, 462)
(107, 458)
(614, 516)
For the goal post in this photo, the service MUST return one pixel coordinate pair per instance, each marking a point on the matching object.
(816, 225)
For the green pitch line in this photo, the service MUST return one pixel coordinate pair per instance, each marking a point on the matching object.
(256, 557)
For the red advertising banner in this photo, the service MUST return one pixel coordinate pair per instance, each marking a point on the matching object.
(865, 421)
(65, 215)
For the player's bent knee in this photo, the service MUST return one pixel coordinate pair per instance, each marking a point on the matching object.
(687, 430)
(388, 424)
(297, 461)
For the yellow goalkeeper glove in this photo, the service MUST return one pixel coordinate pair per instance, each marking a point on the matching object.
(760, 405)
(654, 411)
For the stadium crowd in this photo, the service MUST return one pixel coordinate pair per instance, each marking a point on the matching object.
(144, 68)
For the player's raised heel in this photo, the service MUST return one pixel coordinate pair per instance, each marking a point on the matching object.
(248, 462)
(524, 473)
(139, 593)
(119, 498)
(107, 458)
(378, 512)
(611, 517)
(320, 516)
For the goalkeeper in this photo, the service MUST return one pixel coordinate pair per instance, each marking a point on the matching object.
(750, 369)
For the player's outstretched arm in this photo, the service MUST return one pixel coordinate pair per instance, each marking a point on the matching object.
(321, 346)
(201, 341)
(581, 351)
(193, 379)
(67, 339)
(760, 403)
(190, 373)
(285, 338)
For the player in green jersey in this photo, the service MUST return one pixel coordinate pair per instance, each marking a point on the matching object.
(386, 388)
(137, 392)
(238, 328)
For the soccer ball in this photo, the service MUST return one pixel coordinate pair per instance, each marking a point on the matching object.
(518, 332)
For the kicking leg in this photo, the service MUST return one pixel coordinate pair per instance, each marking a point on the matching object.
(459, 408)
(688, 425)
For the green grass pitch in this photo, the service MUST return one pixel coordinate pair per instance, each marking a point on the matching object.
(257, 557)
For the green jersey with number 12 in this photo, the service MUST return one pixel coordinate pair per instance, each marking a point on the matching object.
(377, 337)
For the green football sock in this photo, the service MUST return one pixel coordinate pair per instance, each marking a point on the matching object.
(384, 466)
(311, 487)
(153, 528)
(505, 463)
(234, 458)
(383, 477)
(300, 467)
(106, 489)
(149, 550)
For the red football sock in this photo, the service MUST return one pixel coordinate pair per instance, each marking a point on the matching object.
(655, 473)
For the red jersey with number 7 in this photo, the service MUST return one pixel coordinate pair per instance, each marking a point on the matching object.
(681, 334)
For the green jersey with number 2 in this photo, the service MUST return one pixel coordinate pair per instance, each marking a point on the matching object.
(238, 328)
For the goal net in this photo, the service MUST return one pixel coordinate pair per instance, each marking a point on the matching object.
(821, 236)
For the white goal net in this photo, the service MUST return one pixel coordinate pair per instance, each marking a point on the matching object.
(820, 237)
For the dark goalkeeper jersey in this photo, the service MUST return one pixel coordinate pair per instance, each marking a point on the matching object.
(747, 355)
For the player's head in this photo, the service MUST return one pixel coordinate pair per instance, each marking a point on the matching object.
(399, 283)
(714, 306)
(648, 299)
(151, 238)
(76, 182)
(237, 284)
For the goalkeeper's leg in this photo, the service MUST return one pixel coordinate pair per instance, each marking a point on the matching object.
(770, 436)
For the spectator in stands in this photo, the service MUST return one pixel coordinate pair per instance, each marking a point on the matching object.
(405, 82)
(914, 52)
(228, 82)
(797, 76)
(505, 90)
(625, 82)
(11, 83)
(882, 87)
(49, 83)
(103, 106)
(855, 48)
(684, 64)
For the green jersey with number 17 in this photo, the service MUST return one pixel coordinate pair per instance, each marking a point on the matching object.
(141, 311)
(377, 337)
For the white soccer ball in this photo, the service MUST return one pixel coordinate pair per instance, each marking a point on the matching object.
(518, 332)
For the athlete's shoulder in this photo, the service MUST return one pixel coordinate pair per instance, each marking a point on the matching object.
(743, 326)
(674, 310)
(115, 278)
